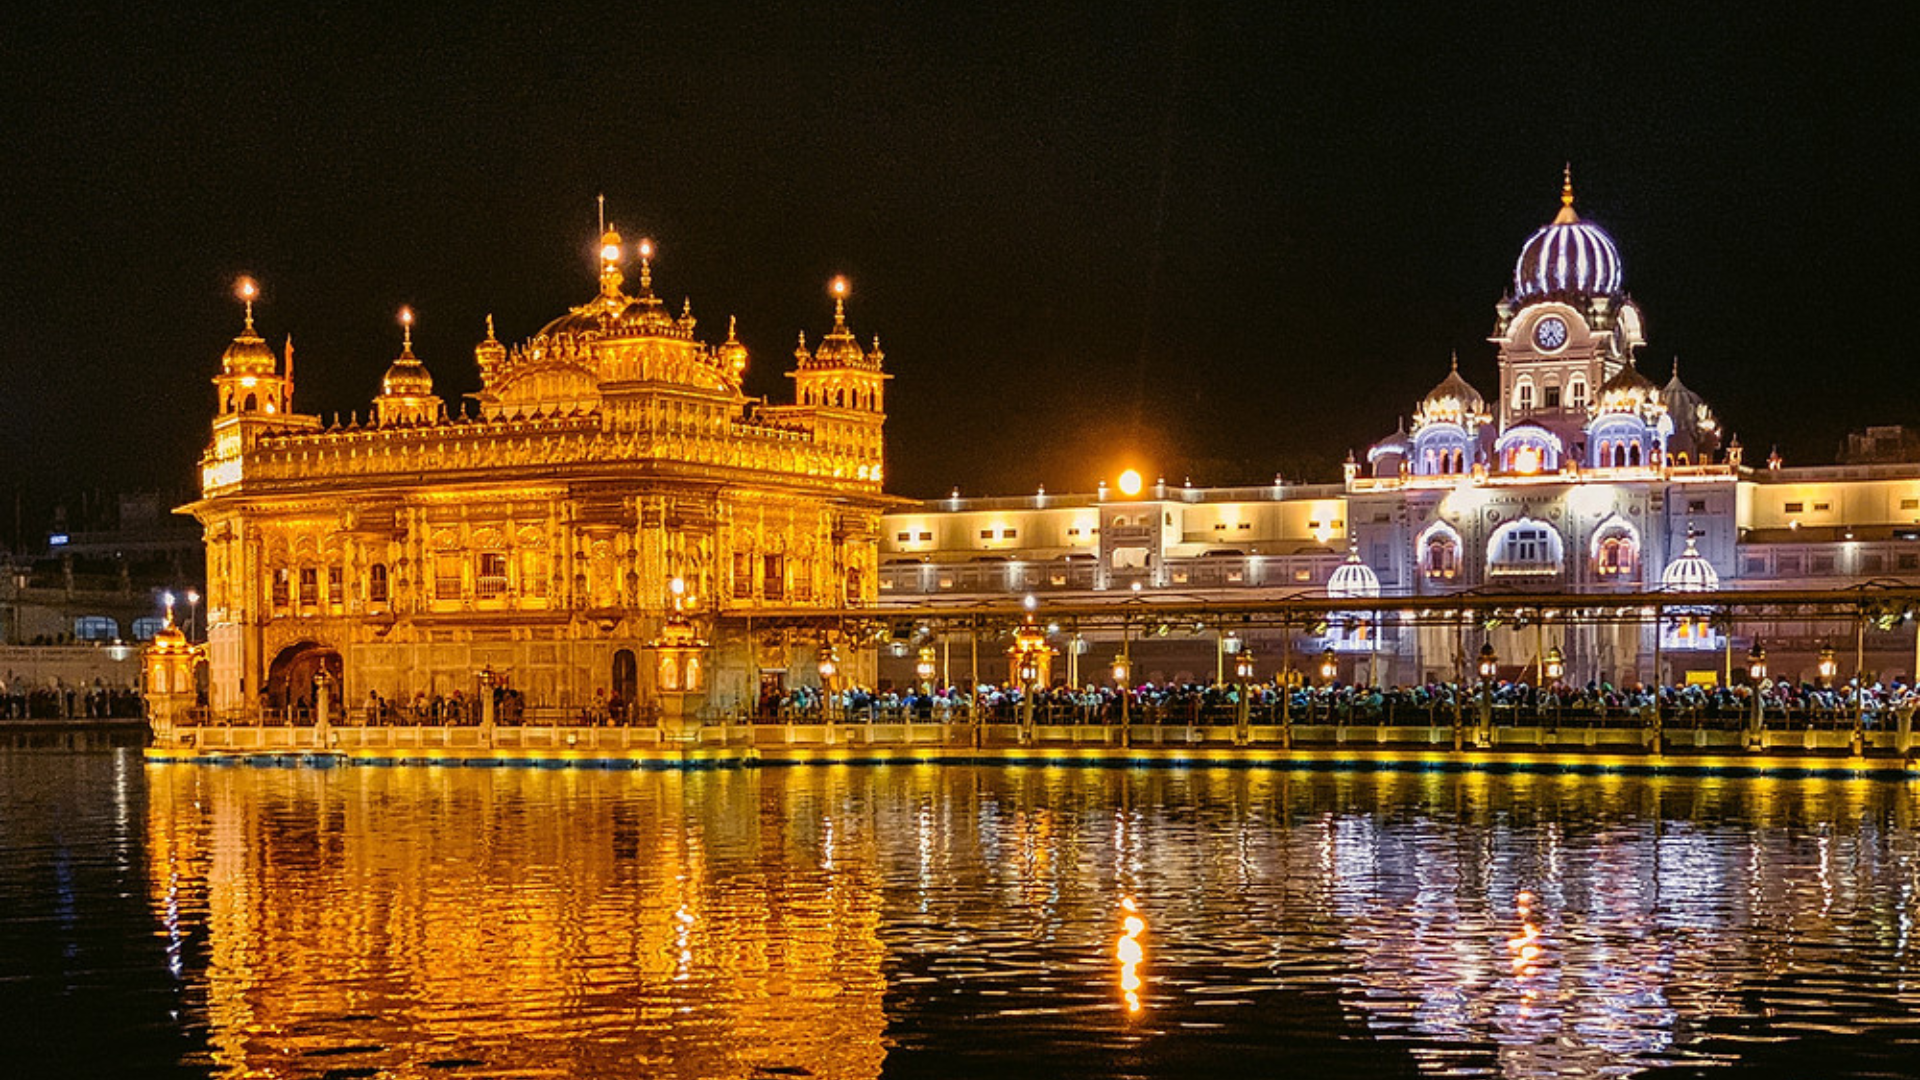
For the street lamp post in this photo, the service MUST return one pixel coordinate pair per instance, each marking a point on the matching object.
(1757, 678)
(1554, 668)
(1243, 672)
(193, 612)
(1122, 672)
(1489, 667)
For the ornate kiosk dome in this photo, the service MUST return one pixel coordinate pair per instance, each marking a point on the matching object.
(1353, 578)
(1690, 572)
(1567, 257)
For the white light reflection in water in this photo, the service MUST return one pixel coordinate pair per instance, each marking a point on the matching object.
(1130, 952)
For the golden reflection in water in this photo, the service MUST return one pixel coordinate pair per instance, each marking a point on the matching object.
(538, 922)
(1130, 952)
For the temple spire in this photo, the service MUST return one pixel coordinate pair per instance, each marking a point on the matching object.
(247, 290)
(838, 287)
(1566, 216)
(406, 331)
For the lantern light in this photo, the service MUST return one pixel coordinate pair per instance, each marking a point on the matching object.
(1757, 662)
(1556, 664)
(1329, 664)
(1489, 661)
(1243, 666)
(1122, 668)
(1829, 667)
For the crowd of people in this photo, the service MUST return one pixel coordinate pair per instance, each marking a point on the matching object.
(1432, 703)
(98, 702)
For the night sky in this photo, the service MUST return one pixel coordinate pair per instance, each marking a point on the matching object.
(1222, 241)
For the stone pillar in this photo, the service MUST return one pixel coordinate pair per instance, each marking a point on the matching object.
(322, 710)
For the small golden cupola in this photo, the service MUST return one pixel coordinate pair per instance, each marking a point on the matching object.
(249, 379)
(406, 391)
(489, 355)
(839, 374)
(733, 354)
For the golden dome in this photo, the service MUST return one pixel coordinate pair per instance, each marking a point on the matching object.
(406, 376)
(248, 355)
(732, 353)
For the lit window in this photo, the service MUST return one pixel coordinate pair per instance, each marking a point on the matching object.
(95, 628)
(309, 586)
(775, 586)
(490, 576)
(1795, 507)
(742, 575)
(533, 573)
(446, 577)
(377, 583)
(280, 587)
(336, 589)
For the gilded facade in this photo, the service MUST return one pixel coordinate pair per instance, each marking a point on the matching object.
(538, 535)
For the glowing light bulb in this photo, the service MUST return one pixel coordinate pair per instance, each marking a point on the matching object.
(838, 286)
(646, 249)
(610, 253)
(1130, 482)
(246, 289)
(678, 586)
(406, 316)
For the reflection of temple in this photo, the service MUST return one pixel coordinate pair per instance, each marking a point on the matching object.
(611, 454)
(671, 931)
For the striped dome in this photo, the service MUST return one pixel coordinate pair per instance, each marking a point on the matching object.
(1576, 258)
(1690, 572)
(1353, 578)
(1568, 257)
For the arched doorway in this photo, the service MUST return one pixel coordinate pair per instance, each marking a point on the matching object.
(626, 683)
(290, 676)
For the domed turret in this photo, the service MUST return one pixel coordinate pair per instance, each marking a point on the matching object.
(1690, 571)
(489, 355)
(1353, 578)
(1696, 431)
(732, 353)
(1453, 401)
(1567, 258)
(406, 390)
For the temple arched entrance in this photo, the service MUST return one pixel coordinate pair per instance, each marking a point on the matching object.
(626, 682)
(290, 676)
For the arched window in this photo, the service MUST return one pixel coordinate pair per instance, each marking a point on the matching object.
(1616, 557)
(1619, 455)
(1428, 464)
(1523, 395)
(1524, 546)
(1633, 455)
(1577, 393)
(377, 583)
(251, 404)
(281, 579)
(1439, 550)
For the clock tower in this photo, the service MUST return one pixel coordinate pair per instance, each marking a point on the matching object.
(1566, 326)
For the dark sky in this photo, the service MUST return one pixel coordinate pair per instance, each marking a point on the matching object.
(1260, 228)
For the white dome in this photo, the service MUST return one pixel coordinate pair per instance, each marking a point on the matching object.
(1353, 578)
(1690, 572)
(1568, 257)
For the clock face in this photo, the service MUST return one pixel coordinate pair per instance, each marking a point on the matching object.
(1550, 333)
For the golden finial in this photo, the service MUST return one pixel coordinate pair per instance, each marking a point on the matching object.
(247, 290)
(686, 308)
(602, 200)
(289, 363)
(1566, 185)
(490, 322)
(838, 287)
(646, 264)
(1456, 359)
(406, 331)
(731, 339)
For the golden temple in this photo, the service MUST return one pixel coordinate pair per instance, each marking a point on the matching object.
(613, 478)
